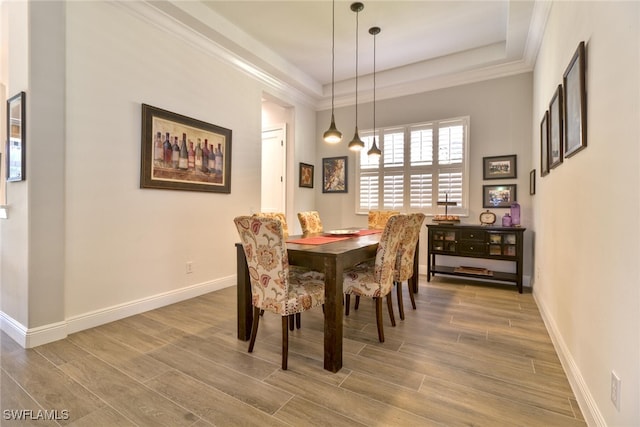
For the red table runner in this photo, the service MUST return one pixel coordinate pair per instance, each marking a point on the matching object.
(321, 240)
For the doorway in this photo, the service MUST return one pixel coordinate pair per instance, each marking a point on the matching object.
(274, 172)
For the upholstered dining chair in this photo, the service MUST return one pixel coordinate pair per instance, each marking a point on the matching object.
(375, 279)
(378, 219)
(406, 254)
(279, 216)
(275, 287)
(310, 222)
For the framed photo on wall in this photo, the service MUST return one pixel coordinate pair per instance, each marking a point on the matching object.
(306, 175)
(16, 140)
(334, 174)
(575, 104)
(499, 167)
(555, 129)
(544, 144)
(498, 196)
(182, 153)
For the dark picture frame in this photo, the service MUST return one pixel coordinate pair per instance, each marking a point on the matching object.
(575, 103)
(532, 182)
(160, 170)
(544, 144)
(500, 167)
(498, 196)
(555, 129)
(306, 175)
(335, 174)
(16, 138)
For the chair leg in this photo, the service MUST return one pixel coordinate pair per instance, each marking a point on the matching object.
(378, 301)
(357, 304)
(285, 341)
(291, 320)
(298, 320)
(347, 302)
(390, 307)
(261, 312)
(400, 302)
(254, 328)
(411, 292)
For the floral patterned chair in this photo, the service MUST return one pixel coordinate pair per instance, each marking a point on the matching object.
(275, 286)
(279, 216)
(310, 222)
(406, 253)
(378, 219)
(375, 279)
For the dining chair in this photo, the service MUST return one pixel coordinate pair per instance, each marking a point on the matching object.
(276, 287)
(404, 261)
(310, 222)
(378, 219)
(375, 279)
(279, 216)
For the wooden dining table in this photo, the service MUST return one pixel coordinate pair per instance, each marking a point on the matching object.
(331, 258)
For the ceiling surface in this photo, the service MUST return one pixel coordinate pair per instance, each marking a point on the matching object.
(422, 45)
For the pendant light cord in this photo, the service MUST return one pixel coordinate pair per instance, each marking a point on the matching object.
(333, 51)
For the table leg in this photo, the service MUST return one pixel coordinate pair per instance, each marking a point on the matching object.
(413, 281)
(245, 311)
(333, 315)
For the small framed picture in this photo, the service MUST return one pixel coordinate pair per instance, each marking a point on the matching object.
(544, 144)
(555, 129)
(532, 182)
(575, 104)
(499, 167)
(498, 196)
(334, 174)
(16, 150)
(306, 175)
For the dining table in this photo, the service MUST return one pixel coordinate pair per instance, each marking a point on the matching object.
(329, 253)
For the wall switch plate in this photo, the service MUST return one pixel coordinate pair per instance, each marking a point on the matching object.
(615, 390)
(189, 267)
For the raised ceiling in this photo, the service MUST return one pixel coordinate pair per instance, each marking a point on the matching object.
(423, 45)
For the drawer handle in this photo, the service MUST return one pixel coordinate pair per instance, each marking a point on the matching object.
(471, 235)
(471, 247)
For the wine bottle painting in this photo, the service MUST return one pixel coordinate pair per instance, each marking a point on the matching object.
(183, 153)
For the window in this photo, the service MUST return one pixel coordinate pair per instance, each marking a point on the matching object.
(420, 165)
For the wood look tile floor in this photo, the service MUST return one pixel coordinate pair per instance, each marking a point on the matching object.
(471, 354)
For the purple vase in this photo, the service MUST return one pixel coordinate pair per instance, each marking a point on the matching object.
(515, 213)
(506, 220)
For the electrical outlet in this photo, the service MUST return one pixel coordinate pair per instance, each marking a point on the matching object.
(615, 390)
(189, 267)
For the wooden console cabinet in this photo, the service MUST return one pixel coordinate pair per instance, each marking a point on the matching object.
(475, 241)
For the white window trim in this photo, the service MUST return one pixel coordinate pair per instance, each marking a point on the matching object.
(460, 211)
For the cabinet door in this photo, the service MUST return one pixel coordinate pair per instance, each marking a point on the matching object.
(443, 241)
(502, 244)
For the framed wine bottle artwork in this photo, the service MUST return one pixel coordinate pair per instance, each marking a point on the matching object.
(183, 153)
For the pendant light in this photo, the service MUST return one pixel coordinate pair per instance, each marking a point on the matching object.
(356, 143)
(374, 152)
(333, 135)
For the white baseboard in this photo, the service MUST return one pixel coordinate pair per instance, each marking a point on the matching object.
(33, 337)
(587, 403)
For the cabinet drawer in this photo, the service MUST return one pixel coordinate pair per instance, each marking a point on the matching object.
(472, 235)
(472, 247)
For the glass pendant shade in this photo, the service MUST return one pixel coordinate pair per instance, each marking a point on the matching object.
(356, 143)
(333, 135)
(374, 152)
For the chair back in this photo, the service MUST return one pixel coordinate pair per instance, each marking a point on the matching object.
(266, 253)
(378, 219)
(280, 217)
(407, 247)
(387, 252)
(310, 222)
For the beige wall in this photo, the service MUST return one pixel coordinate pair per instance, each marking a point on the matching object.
(117, 249)
(500, 124)
(587, 283)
